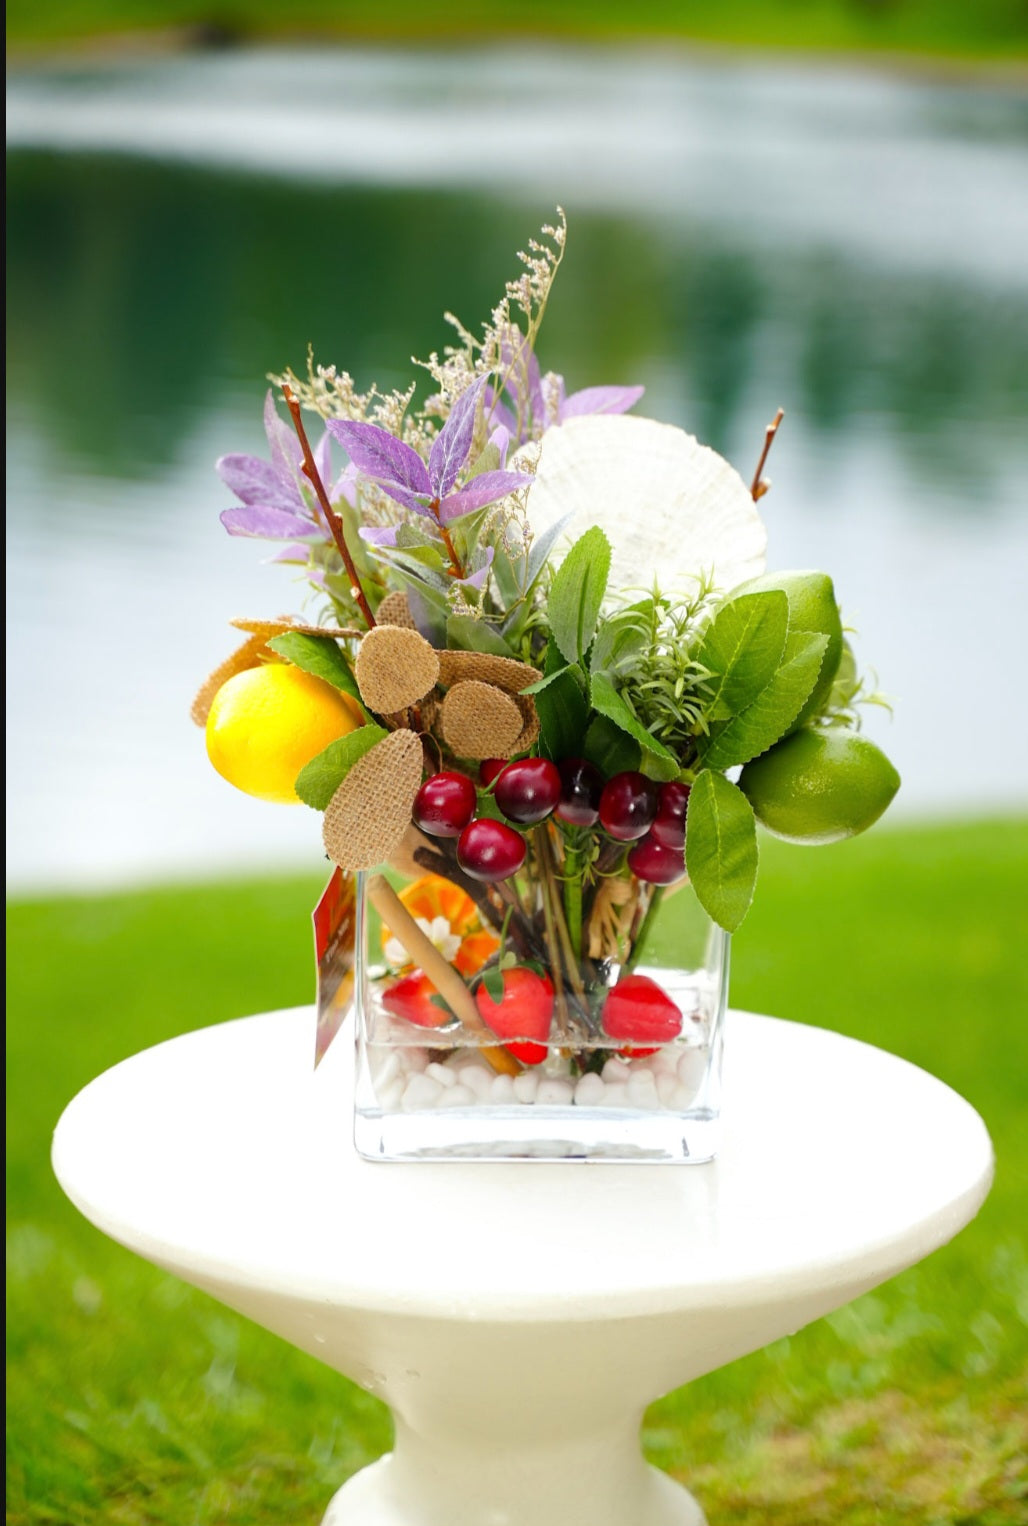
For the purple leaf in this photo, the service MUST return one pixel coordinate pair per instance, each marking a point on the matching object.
(345, 487)
(599, 400)
(500, 438)
(322, 454)
(292, 553)
(286, 453)
(375, 535)
(271, 523)
(498, 413)
(400, 495)
(379, 455)
(452, 444)
(477, 579)
(481, 491)
(256, 481)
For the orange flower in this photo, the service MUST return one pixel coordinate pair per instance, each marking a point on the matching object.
(432, 897)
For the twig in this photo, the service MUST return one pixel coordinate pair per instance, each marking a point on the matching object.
(759, 485)
(335, 524)
(447, 981)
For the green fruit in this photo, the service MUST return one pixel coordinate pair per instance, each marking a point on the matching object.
(819, 786)
(812, 607)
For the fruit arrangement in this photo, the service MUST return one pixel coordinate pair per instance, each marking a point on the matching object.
(548, 683)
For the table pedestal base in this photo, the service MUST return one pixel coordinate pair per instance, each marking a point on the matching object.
(599, 1480)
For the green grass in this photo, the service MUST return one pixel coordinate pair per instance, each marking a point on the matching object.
(134, 1399)
(950, 28)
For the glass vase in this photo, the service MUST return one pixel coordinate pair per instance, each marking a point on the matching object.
(608, 1052)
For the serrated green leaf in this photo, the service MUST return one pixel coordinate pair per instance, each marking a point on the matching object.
(721, 848)
(741, 650)
(321, 656)
(466, 634)
(655, 766)
(607, 700)
(319, 779)
(576, 593)
(769, 717)
(609, 748)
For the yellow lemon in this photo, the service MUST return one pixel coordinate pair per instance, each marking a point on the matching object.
(819, 786)
(266, 723)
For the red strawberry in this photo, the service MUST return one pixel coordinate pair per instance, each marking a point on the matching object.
(411, 997)
(637, 1009)
(524, 1012)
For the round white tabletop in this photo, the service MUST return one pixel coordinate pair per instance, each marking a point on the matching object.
(518, 1317)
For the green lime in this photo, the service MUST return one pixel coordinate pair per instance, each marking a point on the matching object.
(819, 786)
(812, 607)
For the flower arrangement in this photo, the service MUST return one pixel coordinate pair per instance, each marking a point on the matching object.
(548, 680)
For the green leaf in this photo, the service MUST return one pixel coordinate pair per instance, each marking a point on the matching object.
(609, 748)
(742, 649)
(609, 702)
(769, 717)
(492, 979)
(321, 656)
(563, 714)
(721, 848)
(577, 593)
(465, 634)
(319, 779)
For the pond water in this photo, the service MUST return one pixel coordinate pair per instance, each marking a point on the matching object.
(851, 246)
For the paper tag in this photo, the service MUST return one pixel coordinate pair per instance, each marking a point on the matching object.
(335, 921)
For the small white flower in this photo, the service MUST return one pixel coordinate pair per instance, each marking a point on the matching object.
(672, 509)
(437, 931)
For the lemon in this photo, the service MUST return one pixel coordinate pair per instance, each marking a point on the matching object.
(812, 607)
(819, 786)
(266, 723)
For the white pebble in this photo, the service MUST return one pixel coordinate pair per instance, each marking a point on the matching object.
(590, 1090)
(685, 1096)
(390, 1096)
(665, 1061)
(525, 1086)
(667, 1086)
(384, 1069)
(616, 1070)
(412, 1060)
(421, 1091)
(476, 1078)
(501, 1089)
(442, 1074)
(691, 1067)
(617, 1094)
(642, 1089)
(556, 1093)
(456, 1096)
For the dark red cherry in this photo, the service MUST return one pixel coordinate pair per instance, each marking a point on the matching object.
(528, 790)
(649, 860)
(490, 850)
(628, 805)
(581, 785)
(489, 768)
(669, 823)
(445, 804)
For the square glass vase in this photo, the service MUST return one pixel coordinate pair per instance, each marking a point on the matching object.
(565, 1083)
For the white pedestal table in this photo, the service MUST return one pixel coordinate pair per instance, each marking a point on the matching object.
(519, 1317)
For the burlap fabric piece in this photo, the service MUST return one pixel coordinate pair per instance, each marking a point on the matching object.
(394, 668)
(369, 813)
(250, 655)
(504, 673)
(478, 720)
(285, 626)
(394, 610)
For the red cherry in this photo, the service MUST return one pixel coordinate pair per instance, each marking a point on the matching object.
(490, 850)
(628, 805)
(489, 768)
(638, 1010)
(445, 804)
(523, 1012)
(669, 823)
(581, 785)
(411, 997)
(528, 790)
(649, 860)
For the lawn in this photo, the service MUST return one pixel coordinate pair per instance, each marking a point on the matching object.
(133, 1399)
(988, 29)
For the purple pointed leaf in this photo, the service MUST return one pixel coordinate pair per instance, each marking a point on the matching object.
(295, 553)
(345, 487)
(322, 454)
(498, 413)
(477, 579)
(286, 453)
(268, 523)
(378, 535)
(381, 456)
(481, 491)
(452, 444)
(599, 400)
(500, 439)
(256, 481)
(409, 501)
